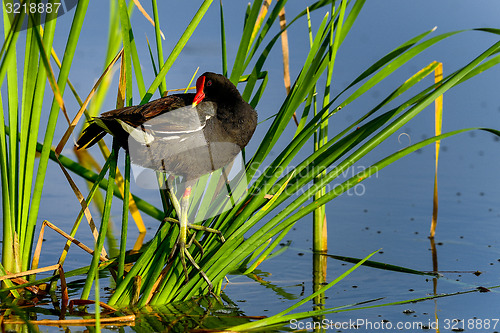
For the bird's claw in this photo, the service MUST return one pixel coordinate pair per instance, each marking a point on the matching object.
(183, 253)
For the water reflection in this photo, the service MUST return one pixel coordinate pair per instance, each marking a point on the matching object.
(199, 314)
(435, 279)
(319, 280)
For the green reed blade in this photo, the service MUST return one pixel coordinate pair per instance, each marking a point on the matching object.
(123, 240)
(113, 157)
(125, 285)
(8, 223)
(223, 40)
(92, 177)
(278, 317)
(126, 31)
(177, 50)
(79, 218)
(159, 47)
(28, 227)
(113, 47)
(241, 54)
(387, 131)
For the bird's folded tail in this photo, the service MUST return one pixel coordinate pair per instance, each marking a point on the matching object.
(91, 135)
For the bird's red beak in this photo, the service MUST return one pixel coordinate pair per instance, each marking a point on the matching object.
(200, 94)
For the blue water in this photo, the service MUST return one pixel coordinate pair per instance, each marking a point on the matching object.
(392, 210)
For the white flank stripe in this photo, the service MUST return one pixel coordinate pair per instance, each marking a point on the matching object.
(138, 135)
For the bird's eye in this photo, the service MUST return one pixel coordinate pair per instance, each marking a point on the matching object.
(209, 83)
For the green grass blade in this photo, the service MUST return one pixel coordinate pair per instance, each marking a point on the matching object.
(316, 63)
(8, 223)
(241, 55)
(49, 133)
(260, 91)
(351, 18)
(265, 29)
(353, 181)
(360, 152)
(28, 93)
(8, 156)
(380, 265)
(12, 88)
(9, 44)
(127, 48)
(177, 50)
(271, 20)
(79, 218)
(277, 317)
(305, 82)
(128, 38)
(123, 240)
(27, 229)
(223, 41)
(159, 46)
(320, 241)
(331, 148)
(391, 63)
(113, 46)
(125, 286)
(265, 254)
(104, 223)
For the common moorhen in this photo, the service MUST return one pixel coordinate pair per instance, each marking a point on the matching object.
(186, 135)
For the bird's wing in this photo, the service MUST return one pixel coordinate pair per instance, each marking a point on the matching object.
(137, 115)
(173, 126)
(181, 121)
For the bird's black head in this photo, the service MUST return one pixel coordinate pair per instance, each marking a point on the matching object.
(214, 87)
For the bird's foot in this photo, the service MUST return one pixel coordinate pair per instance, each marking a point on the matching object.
(197, 227)
(207, 229)
(183, 254)
(192, 239)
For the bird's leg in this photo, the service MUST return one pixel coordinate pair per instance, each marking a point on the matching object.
(181, 241)
(198, 227)
(191, 241)
(195, 241)
(173, 199)
(207, 229)
(182, 210)
(202, 273)
(177, 208)
(183, 225)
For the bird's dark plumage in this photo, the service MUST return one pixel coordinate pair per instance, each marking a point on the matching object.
(185, 134)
